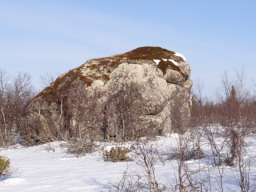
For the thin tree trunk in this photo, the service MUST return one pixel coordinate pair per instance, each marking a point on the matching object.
(4, 121)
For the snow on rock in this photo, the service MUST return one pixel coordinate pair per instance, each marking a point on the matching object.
(180, 55)
(157, 61)
(174, 62)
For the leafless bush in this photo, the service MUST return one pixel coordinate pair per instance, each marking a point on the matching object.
(188, 146)
(244, 162)
(187, 154)
(187, 179)
(207, 115)
(146, 156)
(218, 144)
(80, 147)
(129, 183)
(244, 174)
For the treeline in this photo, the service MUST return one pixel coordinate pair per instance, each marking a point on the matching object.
(233, 107)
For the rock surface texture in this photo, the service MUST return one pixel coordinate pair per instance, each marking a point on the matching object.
(144, 91)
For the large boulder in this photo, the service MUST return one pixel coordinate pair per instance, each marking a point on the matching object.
(142, 92)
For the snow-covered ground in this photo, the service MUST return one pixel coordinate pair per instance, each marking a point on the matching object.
(41, 169)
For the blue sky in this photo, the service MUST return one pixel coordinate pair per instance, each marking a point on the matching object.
(54, 36)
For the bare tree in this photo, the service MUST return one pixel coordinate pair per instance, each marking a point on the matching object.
(14, 96)
(232, 116)
(122, 114)
(47, 80)
(85, 112)
(197, 112)
(22, 92)
(3, 108)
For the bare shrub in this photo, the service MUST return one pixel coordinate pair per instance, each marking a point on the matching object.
(146, 156)
(244, 162)
(129, 183)
(244, 174)
(80, 147)
(187, 154)
(214, 136)
(190, 148)
(187, 179)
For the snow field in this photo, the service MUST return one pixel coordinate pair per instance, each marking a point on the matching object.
(41, 169)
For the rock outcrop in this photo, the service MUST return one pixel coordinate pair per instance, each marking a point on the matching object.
(144, 91)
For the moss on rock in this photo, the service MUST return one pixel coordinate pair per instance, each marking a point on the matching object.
(100, 69)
